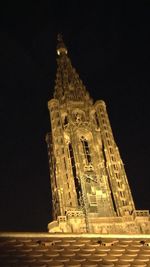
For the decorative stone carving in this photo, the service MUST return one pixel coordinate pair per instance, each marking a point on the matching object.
(90, 189)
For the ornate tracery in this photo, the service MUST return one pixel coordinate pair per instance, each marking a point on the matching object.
(89, 185)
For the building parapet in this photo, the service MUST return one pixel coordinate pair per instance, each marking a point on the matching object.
(141, 213)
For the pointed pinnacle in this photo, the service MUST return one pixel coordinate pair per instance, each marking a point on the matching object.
(61, 48)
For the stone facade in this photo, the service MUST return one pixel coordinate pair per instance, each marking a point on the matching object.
(90, 190)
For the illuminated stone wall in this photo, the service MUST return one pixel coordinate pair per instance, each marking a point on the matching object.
(90, 190)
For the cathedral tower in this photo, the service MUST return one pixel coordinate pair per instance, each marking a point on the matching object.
(90, 190)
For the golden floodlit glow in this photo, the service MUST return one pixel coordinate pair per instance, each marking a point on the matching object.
(90, 189)
(95, 222)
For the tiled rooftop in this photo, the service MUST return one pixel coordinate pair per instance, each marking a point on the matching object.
(73, 250)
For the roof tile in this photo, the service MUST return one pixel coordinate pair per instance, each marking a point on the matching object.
(44, 250)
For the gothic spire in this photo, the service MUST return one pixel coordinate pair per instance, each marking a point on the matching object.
(61, 48)
(68, 85)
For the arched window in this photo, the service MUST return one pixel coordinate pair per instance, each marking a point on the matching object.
(86, 150)
(96, 118)
(65, 120)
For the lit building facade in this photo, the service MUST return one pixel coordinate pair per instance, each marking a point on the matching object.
(90, 190)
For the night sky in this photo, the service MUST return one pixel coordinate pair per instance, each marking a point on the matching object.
(109, 45)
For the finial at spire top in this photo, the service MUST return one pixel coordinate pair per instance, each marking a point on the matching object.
(61, 48)
(59, 37)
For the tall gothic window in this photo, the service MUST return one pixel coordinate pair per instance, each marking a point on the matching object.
(65, 120)
(76, 181)
(86, 150)
(71, 154)
(96, 118)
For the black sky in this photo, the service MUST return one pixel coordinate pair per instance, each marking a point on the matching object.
(109, 46)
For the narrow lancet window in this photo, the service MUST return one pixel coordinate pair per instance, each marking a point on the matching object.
(72, 160)
(96, 118)
(86, 150)
(65, 120)
(76, 181)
